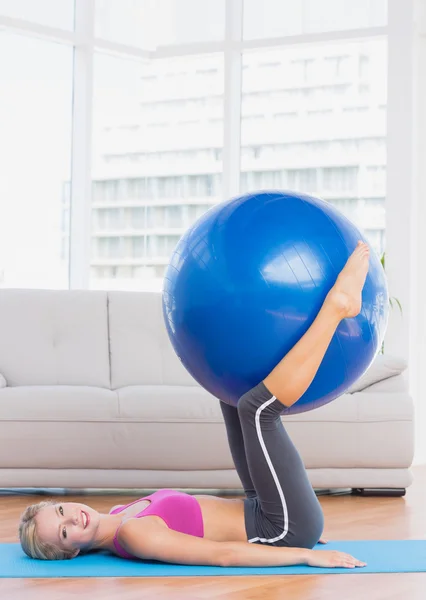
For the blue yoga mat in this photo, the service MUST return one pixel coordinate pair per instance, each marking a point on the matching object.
(381, 557)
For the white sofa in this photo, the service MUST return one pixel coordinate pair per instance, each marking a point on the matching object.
(93, 396)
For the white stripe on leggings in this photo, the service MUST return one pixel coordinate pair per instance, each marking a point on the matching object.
(274, 475)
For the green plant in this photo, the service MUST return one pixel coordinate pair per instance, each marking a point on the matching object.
(392, 299)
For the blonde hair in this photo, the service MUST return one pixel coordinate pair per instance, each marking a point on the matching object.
(30, 541)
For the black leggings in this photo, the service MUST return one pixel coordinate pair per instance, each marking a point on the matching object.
(281, 508)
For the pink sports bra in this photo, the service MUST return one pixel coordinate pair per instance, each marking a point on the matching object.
(180, 511)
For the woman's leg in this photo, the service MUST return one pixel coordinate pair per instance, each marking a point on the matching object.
(294, 374)
(236, 445)
(288, 512)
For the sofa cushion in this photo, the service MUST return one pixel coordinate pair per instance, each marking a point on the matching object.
(189, 403)
(383, 366)
(359, 408)
(173, 421)
(141, 352)
(166, 428)
(356, 431)
(58, 403)
(57, 426)
(54, 337)
(168, 403)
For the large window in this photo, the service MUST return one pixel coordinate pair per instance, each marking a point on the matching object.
(314, 120)
(163, 130)
(35, 159)
(154, 23)
(274, 18)
(157, 162)
(56, 13)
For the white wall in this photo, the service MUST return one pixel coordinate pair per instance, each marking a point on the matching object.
(406, 198)
(418, 324)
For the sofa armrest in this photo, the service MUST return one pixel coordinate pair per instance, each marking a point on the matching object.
(383, 367)
(391, 385)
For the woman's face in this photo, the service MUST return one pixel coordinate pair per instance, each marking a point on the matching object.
(69, 525)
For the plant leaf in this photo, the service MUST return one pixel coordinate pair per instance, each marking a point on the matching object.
(392, 299)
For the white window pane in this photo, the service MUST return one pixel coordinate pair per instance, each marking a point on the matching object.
(157, 162)
(152, 23)
(55, 13)
(275, 18)
(35, 158)
(314, 121)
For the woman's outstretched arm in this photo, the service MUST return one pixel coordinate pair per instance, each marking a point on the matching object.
(147, 539)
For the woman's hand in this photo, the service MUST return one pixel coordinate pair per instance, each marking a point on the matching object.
(322, 541)
(333, 558)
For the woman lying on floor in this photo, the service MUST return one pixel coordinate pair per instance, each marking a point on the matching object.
(278, 522)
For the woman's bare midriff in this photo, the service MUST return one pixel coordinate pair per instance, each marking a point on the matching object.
(223, 518)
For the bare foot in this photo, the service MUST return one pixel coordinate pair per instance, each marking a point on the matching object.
(346, 292)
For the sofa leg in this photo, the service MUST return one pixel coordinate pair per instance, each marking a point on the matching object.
(379, 491)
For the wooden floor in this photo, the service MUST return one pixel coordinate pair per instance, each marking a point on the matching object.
(347, 517)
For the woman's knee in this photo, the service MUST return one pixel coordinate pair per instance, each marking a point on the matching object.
(311, 530)
(306, 529)
(305, 536)
(259, 400)
(247, 406)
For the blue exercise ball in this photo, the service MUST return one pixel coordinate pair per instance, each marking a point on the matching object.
(246, 281)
